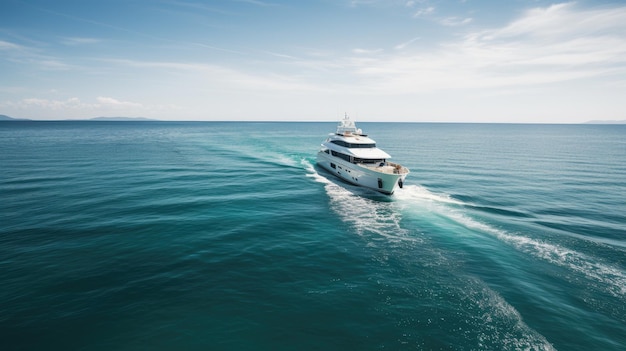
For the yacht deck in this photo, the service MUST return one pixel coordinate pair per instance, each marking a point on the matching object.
(388, 167)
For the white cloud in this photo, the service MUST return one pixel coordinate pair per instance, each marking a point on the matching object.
(29, 56)
(279, 55)
(45, 103)
(70, 103)
(5, 45)
(455, 21)
(556, 46)
(564, 20)
(80, 41)
(257, 3)
(355, 3)
(546, 45)
(366, 51)
(114, 103)
(424, 12)
(559, 36)
(227, 78)
(75, 107)
(405, 44)
(51, 64)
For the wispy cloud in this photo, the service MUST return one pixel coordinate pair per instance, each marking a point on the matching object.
(211, 47)
(284, 56)
(355, 3)
(540, 47)
(74, 103)
(32, 57)
(74, 107)
(256, 2)
(51, 64)
(406, 43)
(6, 46)
(359, 51)
(455, 21)
(47, 104)
(115, 103)
(97, 23)
(564, 20)
(224, 77)
(424, 12)
(545, 37)
(196, 6)
(72, 41)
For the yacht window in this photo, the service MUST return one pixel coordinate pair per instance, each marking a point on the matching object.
(353, 146)
(340, 143)
(362, 146)
(341, 156)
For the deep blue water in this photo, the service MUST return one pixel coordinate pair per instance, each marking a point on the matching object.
(225, 236)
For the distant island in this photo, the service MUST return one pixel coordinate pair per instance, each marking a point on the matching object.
(145, 119)
(114, 119)
(104, 119)
(8, 118)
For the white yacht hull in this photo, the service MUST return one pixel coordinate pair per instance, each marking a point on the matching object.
(382, 179)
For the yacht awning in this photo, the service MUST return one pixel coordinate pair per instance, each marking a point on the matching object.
(371, 153)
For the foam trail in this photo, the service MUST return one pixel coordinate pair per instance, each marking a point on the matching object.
(418, 193)
(382, 218)
(501, 323)
(364, 214)
(611, 278)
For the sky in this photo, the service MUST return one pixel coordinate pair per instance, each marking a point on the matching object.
(514, 61)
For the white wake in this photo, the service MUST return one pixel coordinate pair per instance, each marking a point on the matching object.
(362, 213)
(611, 278)
(369, 216)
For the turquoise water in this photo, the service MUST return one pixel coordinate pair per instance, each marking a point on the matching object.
(225, 236)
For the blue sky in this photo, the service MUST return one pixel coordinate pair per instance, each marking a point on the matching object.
(527, 61)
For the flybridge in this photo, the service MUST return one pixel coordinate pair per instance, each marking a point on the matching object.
(347, 127)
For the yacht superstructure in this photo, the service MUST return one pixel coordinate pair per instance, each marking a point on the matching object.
(354, 157)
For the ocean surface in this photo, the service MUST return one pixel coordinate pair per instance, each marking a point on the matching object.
(225, 236)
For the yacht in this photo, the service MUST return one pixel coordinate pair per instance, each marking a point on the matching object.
(353, 156)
